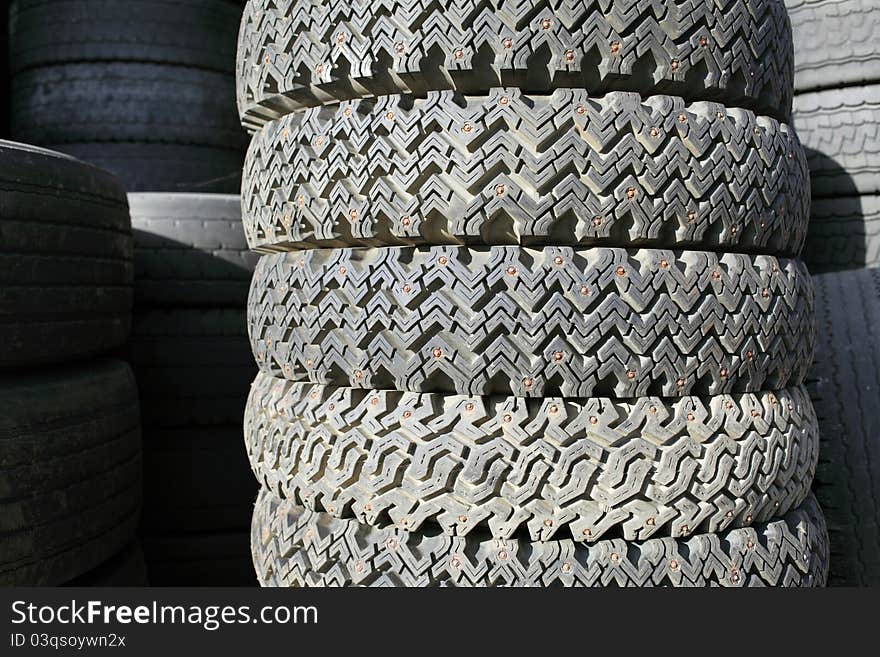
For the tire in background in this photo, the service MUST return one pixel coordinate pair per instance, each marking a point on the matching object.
(127, 569)
(846, 391)
(70, 483)
(200, 560)
(65, 258)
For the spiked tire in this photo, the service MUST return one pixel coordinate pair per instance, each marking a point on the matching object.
(841, 130)
(846, 389)
(510, 168)
(633, 468)
(530, 322)
(70, 477)
(299, 53)
(835, 42)
(844, 234)
(190, 250)
(65, 258)
(295, 547)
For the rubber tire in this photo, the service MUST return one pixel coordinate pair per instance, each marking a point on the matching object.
(190, 250)
(844, 234)
(846, 391)
(65, 259)
(144, 167)
(295, 547)
(197, 33)
(839, 130)
(296, 53)
(559, 467)
(533, 322)
(508, 168)
(193, 366)
(835, 42)
(126, 569)
(70, 475)
(200, 560)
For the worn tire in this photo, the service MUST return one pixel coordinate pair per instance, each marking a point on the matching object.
(300, 53)
(125, 569)
(190, 250)
(65, 258)
(846, 390)
(196, 33)
(70, 471)
(193, 366)
(835, 42)
(840, 129)
(295, 547)
(510, 168)
(200, 560)
(844, 234)
(533, 322)
(552, 466)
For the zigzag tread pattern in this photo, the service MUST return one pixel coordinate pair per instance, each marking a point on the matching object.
(840, 129)
(589, 468)
(533, 322)
(844, 233)
(510, 168)
(292, 546)
(301, 53)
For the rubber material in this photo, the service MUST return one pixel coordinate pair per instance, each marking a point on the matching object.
(197, 33)
(298, 53)
(844, 234)
(835, 42)
(70, 477)
(125, 569)
(200, 560)
(841, 130)
(65, 259)
(530, 322)
(294, 547)
(586, 469)
(193, 366)
(190, 250)
(510, 168)
(846, 390)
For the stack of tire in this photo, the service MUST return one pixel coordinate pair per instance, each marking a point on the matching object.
(837, 115)
(145, 88)
(530, 311)
(70, 460)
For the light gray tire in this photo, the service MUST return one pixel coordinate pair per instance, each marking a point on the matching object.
(300, 53)
(835, 42)
(585, 468)
(190, 250)
(846, 390)
(65, 258)
(844, 234)
(510, 168)
(533, 322)
(840, 129)
(70, 471)
(295, 547)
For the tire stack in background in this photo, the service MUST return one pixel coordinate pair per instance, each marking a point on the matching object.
(837, 116)
(70, 460)
(145, 89)
(523, 318)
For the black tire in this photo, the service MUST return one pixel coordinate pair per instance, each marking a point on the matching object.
(200, 560)
(144, 167)
(125, 569)
(839, 130)
(125, 102)
(846, 391)
(295, 547)
(193, 366)
(297, 53)
(510, 168)
(533, 322)
(65, 259)
(190, 250)
(844, 234)
(552, 467)
(835, 42)
(70, 477)
(196, 33)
